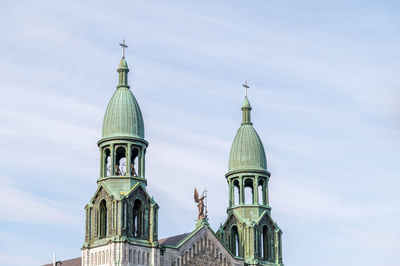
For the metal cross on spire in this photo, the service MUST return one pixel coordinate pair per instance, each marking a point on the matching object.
(245, 87)
(123, 48)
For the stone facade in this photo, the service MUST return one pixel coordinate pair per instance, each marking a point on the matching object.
(201, 247)
(121, 253)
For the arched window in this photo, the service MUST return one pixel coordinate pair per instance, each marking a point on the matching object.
(261, 194)
(134, 256)
(107, 162)
(137, 219)
(103, 219)
(266, 244)
(135, 162)
(248, 191)
(143, 257)
(148, 258)
(120, 167)
(236, 192)
(234, 241)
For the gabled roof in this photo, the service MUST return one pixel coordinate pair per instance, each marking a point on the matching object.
(136, 187)
(105, 187)
(179, 242)
(237, 217)
(173, 240)
(70, 262)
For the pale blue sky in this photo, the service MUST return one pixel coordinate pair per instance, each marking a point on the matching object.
(325, 91)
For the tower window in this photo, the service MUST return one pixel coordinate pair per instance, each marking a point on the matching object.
(134, 162)
(120, 167)
(234, 241)
(248, 191)
(236, 193)
(107, 162)
(261, 192)
(266, 243)
(137, 226)
(103, 219)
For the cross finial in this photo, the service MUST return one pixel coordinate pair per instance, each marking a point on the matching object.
(245, 87)
(123, 48)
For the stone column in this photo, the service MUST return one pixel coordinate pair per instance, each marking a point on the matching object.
(112, 160)
(230, 193)
(255, 190)
(128, 159)
(241, 190)
(101, 162)
(142, 162)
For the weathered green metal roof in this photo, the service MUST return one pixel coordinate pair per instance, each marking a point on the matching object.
(247, 151)
(123, 117)
(246, 103)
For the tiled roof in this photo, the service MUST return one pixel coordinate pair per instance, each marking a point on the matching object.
(71, 262)
(173, 240)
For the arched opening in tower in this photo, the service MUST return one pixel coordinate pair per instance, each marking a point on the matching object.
(248, 191)
(235, 241)
(261, 197)
(120, 167)
(266, 244)
(137, 226)
(236, 193)
(107, 162)
(135, 162)
(103, 219)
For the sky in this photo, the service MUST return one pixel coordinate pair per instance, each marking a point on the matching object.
(324, 87)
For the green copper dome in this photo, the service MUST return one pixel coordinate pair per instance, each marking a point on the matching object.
(123, 117)
(247, 151)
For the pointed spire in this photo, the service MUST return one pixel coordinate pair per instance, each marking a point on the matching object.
(123, 68)
(246, 107)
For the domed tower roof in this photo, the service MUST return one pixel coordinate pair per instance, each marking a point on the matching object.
(123, 117)
(247, 151)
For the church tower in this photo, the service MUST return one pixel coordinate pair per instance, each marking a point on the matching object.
(121, 218)
(249, 231)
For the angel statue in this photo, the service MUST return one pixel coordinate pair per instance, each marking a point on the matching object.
(200, 204)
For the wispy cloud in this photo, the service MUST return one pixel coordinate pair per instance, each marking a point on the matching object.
(324, 91)
(26, 208)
